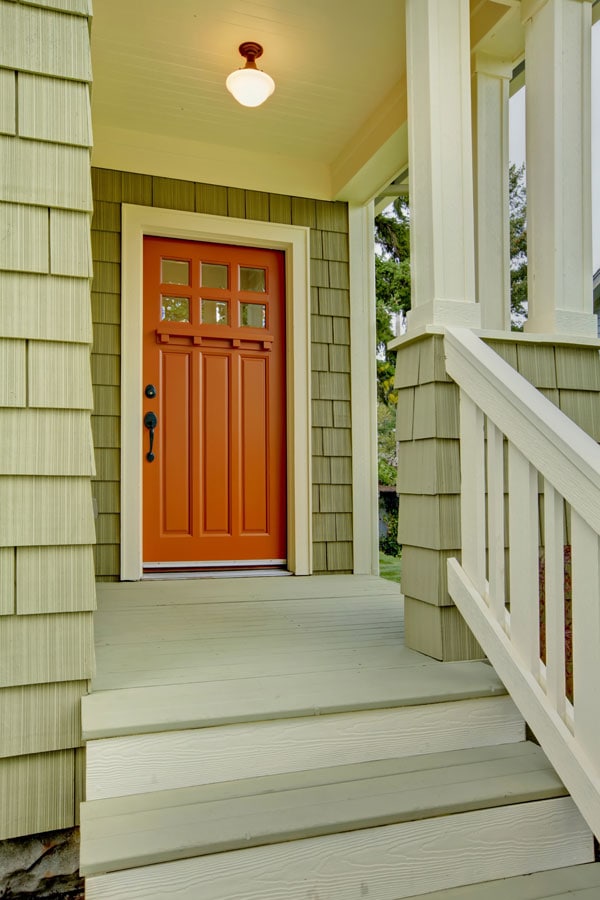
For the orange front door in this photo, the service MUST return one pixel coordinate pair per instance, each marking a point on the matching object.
(214, 379)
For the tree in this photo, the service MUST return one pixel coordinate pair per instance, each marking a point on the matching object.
(392, 288)
(387, 462)
(518, 246)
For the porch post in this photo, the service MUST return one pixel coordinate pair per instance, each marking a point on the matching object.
(441, 163)
(490, 156)
(558, 155)
(443, 293)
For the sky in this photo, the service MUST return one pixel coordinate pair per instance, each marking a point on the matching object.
(517, 139)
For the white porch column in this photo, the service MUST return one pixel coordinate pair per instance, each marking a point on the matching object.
(490, 156)
(440, 159)
(558, 155)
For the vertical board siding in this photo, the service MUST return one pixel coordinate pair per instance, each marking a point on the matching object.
(43, 41)
(46, 648)
(342, 414)
(54, 110)
(48, 175)
(39, 307)
(47, 586)
(70, 248)
(59, 375)
(332, 547)
(577, 370)
(173, 194)
(7, 581)
(54, 580)
(38, 716)
(23, 238)
(8, 121)
(45, 442)
(13, 374)
(37, 793)
(83, 7)
(429, 503)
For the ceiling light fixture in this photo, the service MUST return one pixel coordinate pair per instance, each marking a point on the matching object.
(250, 86)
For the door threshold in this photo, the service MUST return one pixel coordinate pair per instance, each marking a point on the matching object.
(214, 573)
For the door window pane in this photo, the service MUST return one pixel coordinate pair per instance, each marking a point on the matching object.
(215, 276)
(215, 312)
(252, 279)
(175, 271)
(254, 315)
(175, 309)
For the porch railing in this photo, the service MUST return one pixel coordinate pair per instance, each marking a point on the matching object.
(528, 584)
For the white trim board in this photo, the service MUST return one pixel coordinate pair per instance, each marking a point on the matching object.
(294, 240)
(365, 496)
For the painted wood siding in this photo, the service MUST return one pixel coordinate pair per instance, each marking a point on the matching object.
(427, 430)
(47, 590)
(330, 299)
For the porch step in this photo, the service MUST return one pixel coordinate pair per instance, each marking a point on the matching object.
(157, 827)
(143, 710)
(144, 763)
(384, 830)
(571, 883)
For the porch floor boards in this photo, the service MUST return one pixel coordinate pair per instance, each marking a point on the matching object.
(190, 653)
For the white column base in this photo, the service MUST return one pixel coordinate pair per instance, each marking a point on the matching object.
(563, 322)
(463, 313)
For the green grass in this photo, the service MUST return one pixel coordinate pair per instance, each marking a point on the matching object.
(389, 567)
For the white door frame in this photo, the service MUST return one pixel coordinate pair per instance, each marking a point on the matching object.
(294, 240)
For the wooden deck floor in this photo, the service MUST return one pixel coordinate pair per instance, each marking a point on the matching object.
(185, 654)
(173, 632)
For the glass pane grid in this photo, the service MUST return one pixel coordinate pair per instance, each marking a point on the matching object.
(174, 271)
(252, 279)
(214, 275)
(253, 315)
(215, 312)
(175, 309)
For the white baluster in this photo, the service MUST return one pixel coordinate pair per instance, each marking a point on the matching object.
(524, 559)
(555, 597)
(472, 499)
(585, 575)
(495, 529)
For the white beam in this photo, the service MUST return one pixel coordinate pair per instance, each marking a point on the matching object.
(490, 82)
(441, 167)
(558, 159)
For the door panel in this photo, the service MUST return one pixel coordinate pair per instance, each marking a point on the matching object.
(216, 445)
(214, 347)
(255, 453)
(174, 455)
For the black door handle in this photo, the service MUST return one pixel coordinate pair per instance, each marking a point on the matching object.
(150, 421)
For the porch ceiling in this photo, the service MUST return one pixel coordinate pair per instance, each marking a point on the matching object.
(160, 104)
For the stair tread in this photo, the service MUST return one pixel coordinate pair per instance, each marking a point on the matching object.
(139, 830)
(580, 882)
(143, 710)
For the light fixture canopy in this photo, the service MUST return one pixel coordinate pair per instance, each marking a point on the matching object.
(250, 86)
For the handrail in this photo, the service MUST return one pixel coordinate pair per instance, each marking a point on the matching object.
(538, 620)
(531, 422)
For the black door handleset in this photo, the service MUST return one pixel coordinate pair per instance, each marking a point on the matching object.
(150, 420)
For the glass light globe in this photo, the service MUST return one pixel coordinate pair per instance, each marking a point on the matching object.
(250, 86)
